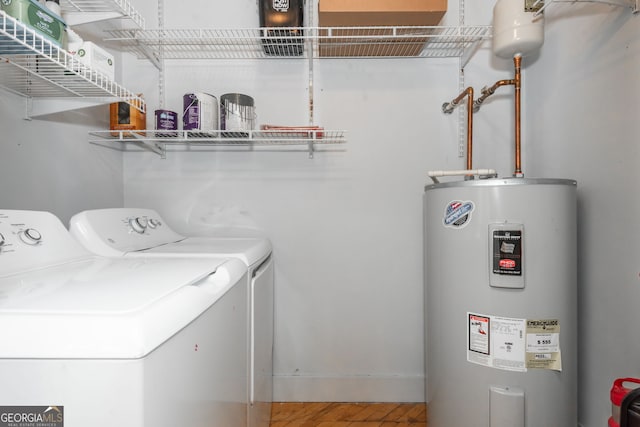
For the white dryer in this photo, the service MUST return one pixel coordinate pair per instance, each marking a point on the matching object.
(93, 341)
(133, 232)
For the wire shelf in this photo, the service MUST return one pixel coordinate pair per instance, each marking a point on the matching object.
(158, 140)
(113, 8)
(292, 42)
(32, 66)
(222, 137)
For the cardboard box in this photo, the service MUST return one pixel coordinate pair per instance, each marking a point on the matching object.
(373, 13)
(354, 13)
(94, 57)
(36, 16)
(124, 116)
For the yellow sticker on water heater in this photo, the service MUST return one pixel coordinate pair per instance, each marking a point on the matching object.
(543, 344)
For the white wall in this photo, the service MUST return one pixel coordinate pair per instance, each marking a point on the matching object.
(346, 225)
(47, 164)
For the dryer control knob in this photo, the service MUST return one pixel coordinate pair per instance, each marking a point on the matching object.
(2, 241)
(31, 236)
(138, 224)
(153, 223)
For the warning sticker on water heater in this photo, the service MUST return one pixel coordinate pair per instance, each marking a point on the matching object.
(497, 342)
(479, 333)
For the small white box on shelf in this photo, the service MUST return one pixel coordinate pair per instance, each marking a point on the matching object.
(94, 57)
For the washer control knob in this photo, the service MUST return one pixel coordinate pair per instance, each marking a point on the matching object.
(154, 223)
(31, 236)
(138, 224)
(2, 241)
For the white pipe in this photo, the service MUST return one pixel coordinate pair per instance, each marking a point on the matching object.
(486, 173)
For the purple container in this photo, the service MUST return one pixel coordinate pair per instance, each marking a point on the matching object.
(200, 111)
(166, 120)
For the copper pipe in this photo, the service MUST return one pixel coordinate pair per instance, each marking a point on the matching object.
(517, 62)
(469, 128)
(517, 83)
(448, 107)
(488, 91)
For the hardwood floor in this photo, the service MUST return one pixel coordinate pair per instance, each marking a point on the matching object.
(329, 414)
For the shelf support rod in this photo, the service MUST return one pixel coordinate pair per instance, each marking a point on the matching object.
(161, 79)
(310, 55)
(448, 108)
(462, 62)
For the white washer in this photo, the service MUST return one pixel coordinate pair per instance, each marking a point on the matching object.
(133, 232)
(92, 341)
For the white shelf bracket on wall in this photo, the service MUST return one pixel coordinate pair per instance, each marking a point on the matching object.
(153, 146)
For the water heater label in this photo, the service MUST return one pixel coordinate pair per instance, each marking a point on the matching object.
(543, 344)
(496, 341)
(513, 344)
(506, 255)
(457, 214)
(507, 252)
(479, 328)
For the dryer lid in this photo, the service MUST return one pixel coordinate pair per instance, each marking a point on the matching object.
(107, 308)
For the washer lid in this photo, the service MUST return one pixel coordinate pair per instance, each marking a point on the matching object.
(107, 308)
(248, 249)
